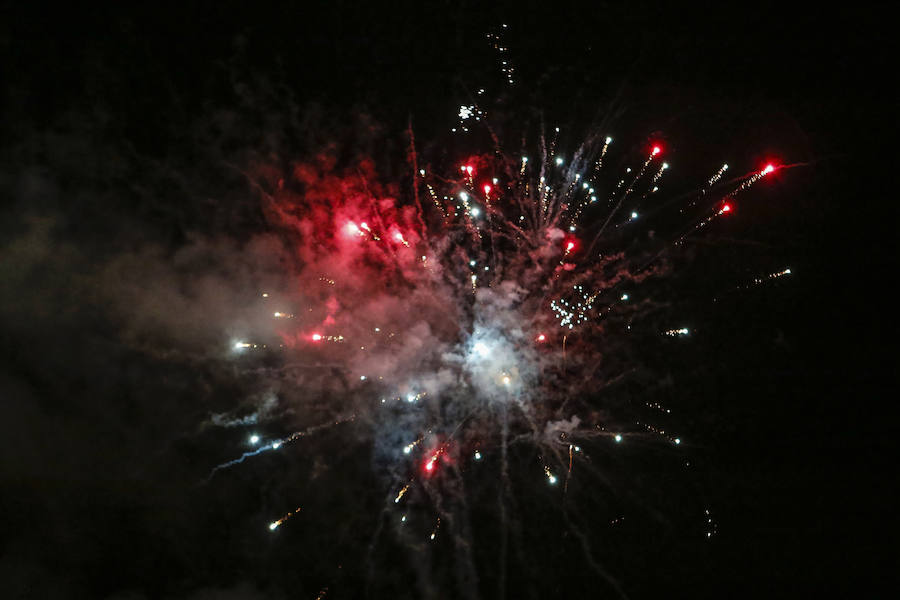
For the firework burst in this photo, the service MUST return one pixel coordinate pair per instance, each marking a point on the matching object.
(458, 329)
(473, 317)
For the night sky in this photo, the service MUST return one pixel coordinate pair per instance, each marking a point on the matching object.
(125, 219)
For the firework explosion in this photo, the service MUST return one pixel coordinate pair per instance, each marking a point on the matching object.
(468, 314)
(228, 371)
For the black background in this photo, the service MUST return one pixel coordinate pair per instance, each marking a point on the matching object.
(797, 451)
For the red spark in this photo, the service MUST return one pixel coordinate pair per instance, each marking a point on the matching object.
(769, 168)
(541, 337)
(487, 189)
(316, 337)
(429, 464)
(726, 208)
(432, 462)
(656, 150)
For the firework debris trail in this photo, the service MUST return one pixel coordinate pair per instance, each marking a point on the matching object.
(276, 444)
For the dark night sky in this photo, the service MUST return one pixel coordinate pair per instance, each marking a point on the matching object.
(92, 481)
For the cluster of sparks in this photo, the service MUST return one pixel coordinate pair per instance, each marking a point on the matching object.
(516, 245)
(574, 313)
(499, 45)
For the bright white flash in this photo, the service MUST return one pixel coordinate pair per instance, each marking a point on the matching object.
(495, 363)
